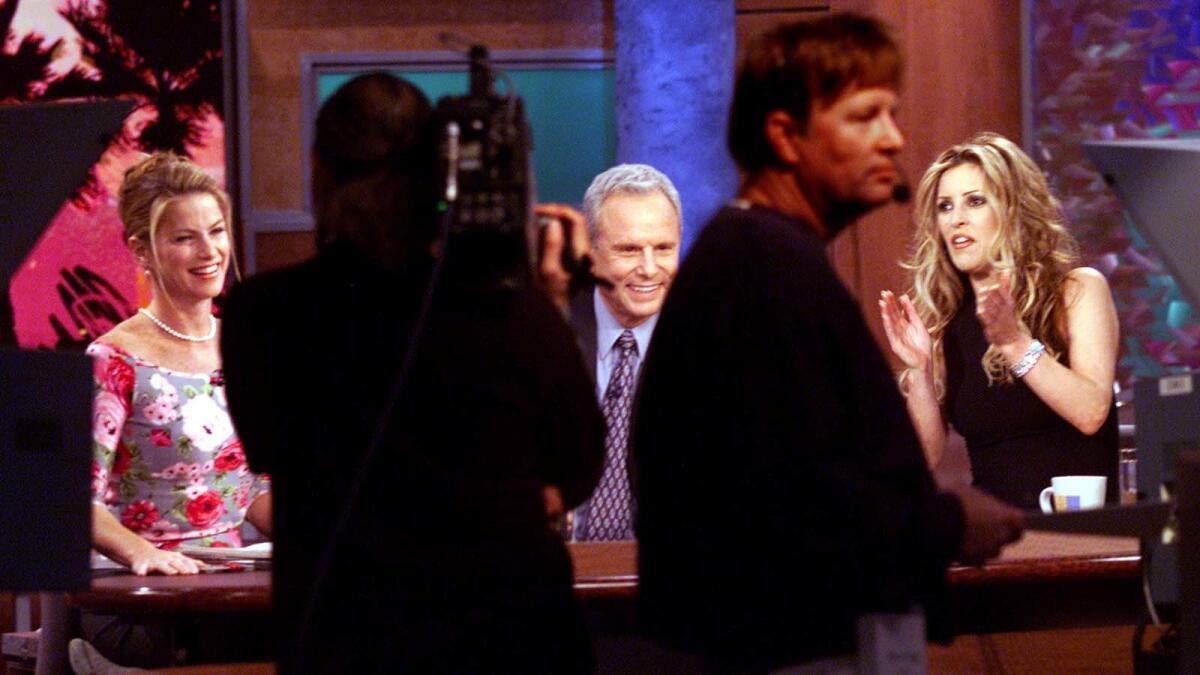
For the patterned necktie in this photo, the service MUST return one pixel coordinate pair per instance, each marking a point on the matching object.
(610, 517)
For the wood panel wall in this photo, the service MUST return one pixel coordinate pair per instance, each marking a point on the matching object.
(963, 75)
(281, 30)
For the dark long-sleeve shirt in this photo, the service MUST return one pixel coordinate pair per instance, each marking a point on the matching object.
(448, 545)
(782, 489)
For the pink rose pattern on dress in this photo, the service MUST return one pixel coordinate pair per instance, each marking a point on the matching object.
(140, 515)
(162, 529)
(166, 460)
(108, 414)
(160, 412)
(118, 377)
(230, 457)
(205, 509)
(123, 460)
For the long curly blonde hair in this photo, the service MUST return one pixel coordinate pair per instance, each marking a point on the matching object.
(1032, 242)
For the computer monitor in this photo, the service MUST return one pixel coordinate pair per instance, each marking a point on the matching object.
(45, 477)
(1158, 182)
(1168, 423)
(46, 152)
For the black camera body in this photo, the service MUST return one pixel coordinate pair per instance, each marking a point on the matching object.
(487, 188)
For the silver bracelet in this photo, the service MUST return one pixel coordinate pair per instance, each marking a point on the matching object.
(1032, 354)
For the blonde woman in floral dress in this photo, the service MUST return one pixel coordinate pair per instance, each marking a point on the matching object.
(168, 468)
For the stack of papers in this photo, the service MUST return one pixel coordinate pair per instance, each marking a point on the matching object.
(257, 556)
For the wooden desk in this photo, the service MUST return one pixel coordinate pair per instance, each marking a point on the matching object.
(1040, 556)
(605, 570)
(191, 594)
(602, 571)
(1048, 581)
(1043, 581)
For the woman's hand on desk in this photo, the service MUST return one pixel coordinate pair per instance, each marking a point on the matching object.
(125, 546)
(162, 562)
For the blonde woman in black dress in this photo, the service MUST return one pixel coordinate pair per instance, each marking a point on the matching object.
(1005, 336)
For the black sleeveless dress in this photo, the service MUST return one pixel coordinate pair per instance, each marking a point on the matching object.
(1015, 441)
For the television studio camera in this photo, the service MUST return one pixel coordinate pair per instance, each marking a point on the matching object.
(488, 186)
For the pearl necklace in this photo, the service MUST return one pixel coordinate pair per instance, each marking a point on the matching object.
(212, 331)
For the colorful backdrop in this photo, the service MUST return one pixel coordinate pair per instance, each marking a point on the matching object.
(166, 55)
(1106, 69)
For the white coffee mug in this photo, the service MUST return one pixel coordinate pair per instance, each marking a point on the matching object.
(1073, 493)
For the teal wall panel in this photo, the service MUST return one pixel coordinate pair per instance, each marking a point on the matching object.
(570, 111)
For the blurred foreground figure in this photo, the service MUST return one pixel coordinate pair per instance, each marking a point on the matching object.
(782, 491)
(436, 556)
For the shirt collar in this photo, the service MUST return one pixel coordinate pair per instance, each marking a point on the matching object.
(608, 329)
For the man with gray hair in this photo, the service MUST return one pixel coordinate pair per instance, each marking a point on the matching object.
(634, 220)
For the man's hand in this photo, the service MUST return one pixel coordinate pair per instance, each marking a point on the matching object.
(553, 501)
(567, 227)
(988, 525)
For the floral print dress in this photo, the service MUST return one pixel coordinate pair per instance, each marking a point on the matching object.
(166, 461)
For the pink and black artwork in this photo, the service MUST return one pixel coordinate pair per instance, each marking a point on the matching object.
(164, 55)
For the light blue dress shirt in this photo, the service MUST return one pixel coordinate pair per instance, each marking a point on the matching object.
(607, 332)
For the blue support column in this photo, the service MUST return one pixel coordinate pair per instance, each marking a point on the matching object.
(675, 68)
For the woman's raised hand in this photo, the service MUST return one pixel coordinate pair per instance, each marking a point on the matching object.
(906, 333)
(997, 313)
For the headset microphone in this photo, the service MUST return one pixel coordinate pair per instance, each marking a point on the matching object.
(902, 192)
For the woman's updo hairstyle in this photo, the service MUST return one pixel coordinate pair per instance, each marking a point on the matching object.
(153, 183)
